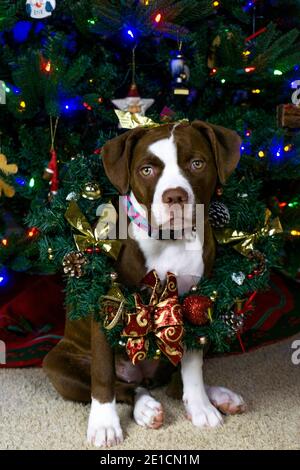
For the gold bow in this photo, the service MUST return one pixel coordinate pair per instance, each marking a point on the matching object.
(131, 121)
(97, 237)
(247, 240)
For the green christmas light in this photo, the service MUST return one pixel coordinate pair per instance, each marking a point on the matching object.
(31, 183)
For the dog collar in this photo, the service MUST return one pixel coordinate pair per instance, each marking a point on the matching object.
(131, 207)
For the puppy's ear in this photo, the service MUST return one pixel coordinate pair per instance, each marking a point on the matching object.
(225, 144)
(116, 157)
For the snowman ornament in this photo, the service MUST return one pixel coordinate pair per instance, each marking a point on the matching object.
(40, 9)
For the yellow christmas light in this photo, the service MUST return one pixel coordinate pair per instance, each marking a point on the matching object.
(287, 147)
(22, 104)
(295, 233)
(246, 53)
(256, 91)
(261, 154)
(216, 4)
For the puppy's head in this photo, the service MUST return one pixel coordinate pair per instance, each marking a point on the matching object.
(172, 166)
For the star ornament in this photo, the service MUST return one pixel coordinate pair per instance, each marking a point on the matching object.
(133, 103)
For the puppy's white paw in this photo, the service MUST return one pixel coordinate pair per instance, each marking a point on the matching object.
(202, 414)
(104, 428)
(225, 400)
(147, 411)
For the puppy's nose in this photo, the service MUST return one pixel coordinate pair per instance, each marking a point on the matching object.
(175, 196)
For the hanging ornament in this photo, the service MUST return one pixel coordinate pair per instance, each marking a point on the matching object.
(2, 92)
(40, 9)
(218, 214)
(133, 103)
(51, 172)
(112, 305)
(238, 278)
(180, 72)
(6, 169)
(73, 264)
(91, 191)
(197, 309)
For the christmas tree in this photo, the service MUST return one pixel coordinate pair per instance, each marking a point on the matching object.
(65, 67)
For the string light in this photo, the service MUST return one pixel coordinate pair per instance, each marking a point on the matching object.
(32, 232)
(261, 154)
(48, 67)
(295, 233)
(256, 91)
(3, 277)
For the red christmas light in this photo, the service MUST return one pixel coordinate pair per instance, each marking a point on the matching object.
(4, 242)
(157, 19)
(249, 69)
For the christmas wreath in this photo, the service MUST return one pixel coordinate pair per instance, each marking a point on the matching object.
(215, 310)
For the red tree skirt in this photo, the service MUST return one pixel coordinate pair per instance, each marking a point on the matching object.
(32, 317)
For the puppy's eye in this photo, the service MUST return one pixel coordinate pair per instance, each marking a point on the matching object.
(146, 171)
(197, 164)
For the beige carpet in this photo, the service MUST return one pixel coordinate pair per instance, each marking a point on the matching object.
(33, 416)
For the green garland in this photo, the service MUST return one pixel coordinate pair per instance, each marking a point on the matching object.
(247, 213)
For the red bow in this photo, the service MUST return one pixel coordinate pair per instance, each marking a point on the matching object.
(162, 316)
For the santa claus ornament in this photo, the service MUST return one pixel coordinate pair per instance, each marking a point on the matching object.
(132, 107)
(41, 9)
(133, 103)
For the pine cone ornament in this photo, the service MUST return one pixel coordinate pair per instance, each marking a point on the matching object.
(73, 264)
(218, 214)
(196, 309)
(234, 322)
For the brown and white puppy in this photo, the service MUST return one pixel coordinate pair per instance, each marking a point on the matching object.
(163, 168)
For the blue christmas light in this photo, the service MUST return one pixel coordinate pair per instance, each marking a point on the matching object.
(21, 31)
(69, 105)
(20, 181)
(3, 277)
(130, 33)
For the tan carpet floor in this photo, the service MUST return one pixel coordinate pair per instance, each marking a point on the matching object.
(33, 416)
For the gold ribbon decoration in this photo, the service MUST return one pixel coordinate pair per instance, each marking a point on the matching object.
(131, 121)
(244, 241)
(162, 316)
(97, 237)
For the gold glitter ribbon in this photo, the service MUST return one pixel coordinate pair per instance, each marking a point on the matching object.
(246, 241)
(131, 121)
(98, 236)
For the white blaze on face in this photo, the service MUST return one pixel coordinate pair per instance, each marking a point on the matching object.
(171, 177)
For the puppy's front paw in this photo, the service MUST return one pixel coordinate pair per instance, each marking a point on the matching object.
(104, 428)
(226, 401)
(203, 414)
(147, 411)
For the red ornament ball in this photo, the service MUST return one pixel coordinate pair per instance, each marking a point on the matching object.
(195, 309)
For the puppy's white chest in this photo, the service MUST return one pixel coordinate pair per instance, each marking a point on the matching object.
(184, 258)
